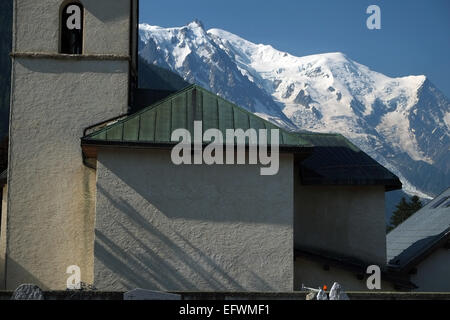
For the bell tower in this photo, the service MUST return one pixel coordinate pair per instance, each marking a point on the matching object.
(74, 64)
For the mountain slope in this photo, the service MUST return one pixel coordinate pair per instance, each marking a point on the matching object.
(192, 53)
(402, 122)
(157, 78)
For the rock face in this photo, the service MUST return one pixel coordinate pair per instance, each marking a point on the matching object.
(28, 292)
(401, 122)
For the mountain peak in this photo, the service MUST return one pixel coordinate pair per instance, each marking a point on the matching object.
(196, 23)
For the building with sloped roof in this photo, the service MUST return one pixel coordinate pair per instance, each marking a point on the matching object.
(92, 182)
(328, 195)
(419, 247)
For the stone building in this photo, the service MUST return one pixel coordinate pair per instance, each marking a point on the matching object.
(419, 247)
(114, 203)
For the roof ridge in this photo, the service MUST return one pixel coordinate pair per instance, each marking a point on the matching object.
(320, 133)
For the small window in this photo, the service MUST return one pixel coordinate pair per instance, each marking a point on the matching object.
(72, 22)
(439, 202)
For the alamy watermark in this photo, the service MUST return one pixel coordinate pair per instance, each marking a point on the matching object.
(231, 149)
(74, 20)
(374, 280)
(374, 20)
(74, 280)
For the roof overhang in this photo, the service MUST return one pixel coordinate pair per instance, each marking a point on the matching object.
(441, 241)
(353, 265)
(90, 149)
(336, 161)
(389, 184)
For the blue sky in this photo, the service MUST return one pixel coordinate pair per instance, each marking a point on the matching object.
(414, 37)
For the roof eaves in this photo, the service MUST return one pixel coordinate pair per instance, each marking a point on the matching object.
(352, 265)
(422, 253)
(389, 184)
(305, 149)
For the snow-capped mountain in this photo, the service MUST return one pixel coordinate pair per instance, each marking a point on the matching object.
(402, 122)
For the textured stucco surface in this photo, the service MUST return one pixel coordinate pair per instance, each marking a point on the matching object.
(433, 273)
(347, 220)
(195, 227)
(51, 202)
(106, 26)
(3, 237)
(312, 274)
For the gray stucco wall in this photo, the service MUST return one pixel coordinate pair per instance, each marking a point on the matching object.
(106, 27)
(193, 227)
(51, 193)
(433, 274)
(347, 220)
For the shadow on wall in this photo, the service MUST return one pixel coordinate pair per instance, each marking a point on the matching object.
(153, 260)
(82, 67)
(16, 275)
(116, 10)
(240, 193)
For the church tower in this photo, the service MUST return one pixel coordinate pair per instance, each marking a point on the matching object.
(73, 65)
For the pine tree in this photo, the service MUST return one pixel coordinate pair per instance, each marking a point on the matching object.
(404, 210)
(415, 204)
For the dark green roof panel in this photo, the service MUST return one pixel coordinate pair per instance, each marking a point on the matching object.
(163, 122)
(210, 111)
(225, 115)
(146, 126)
(130, 129)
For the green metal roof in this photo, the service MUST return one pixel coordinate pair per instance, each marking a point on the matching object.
(154, 124)
(333, 159)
